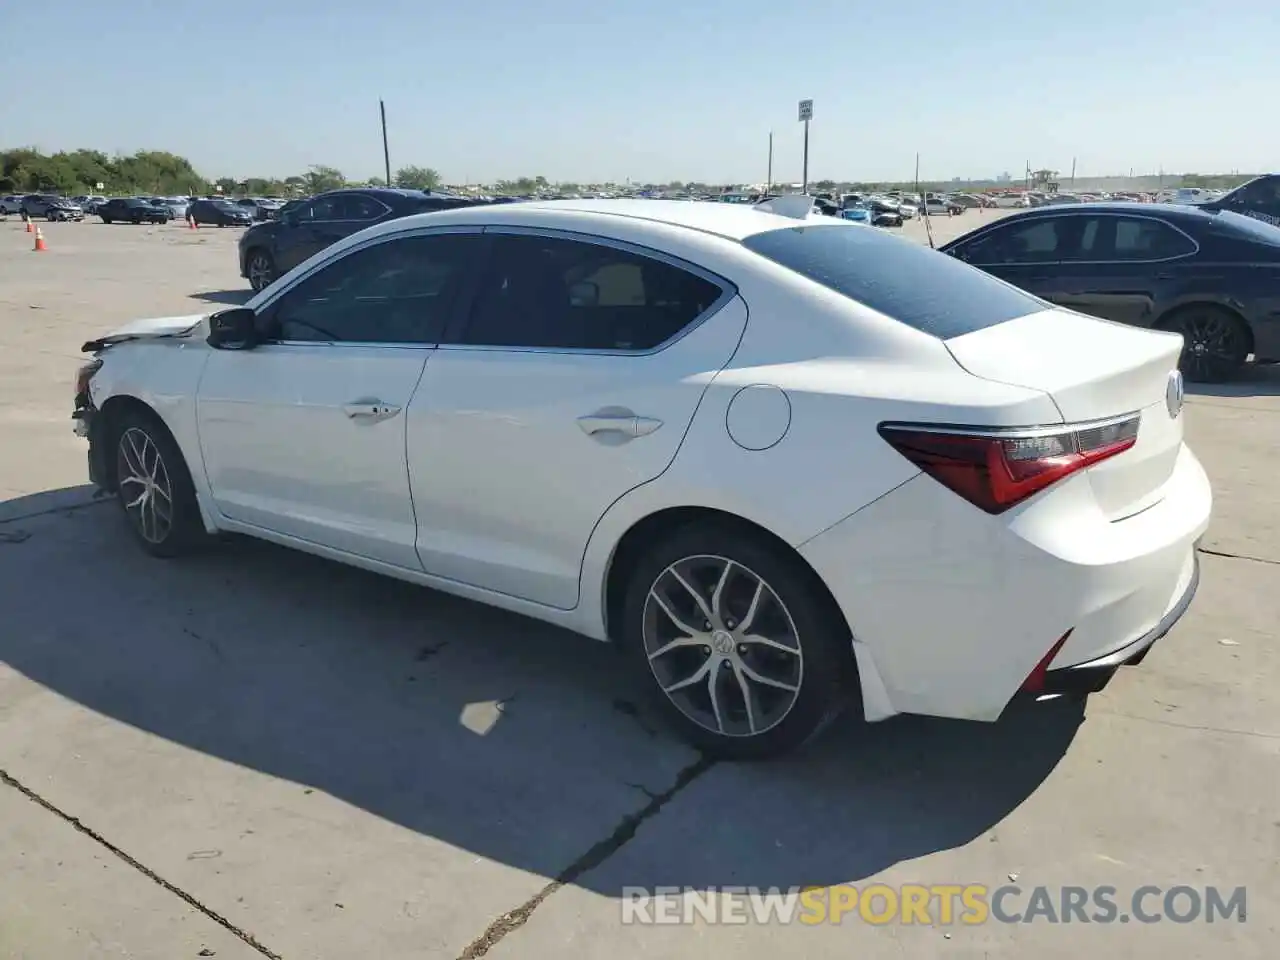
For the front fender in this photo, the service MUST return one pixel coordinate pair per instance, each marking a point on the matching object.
(164, 375)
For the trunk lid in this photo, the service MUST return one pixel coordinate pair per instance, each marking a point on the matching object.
(1094, 369)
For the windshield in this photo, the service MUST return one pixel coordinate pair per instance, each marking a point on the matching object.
(926, 290)
(222, 204)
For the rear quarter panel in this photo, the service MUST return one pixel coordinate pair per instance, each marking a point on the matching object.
(804, 350)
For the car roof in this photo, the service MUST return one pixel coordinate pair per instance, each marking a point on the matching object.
(730, 220)
(1169, 210)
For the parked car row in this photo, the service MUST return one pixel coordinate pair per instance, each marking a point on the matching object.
(214, 210)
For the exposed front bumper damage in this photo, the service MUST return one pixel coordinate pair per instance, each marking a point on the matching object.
(87, 423)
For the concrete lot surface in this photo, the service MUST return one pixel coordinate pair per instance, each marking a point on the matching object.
(257, 753)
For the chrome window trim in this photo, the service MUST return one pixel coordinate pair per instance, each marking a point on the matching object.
(1090, 213)
(728, 291)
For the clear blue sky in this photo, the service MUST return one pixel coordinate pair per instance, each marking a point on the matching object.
(654, 90)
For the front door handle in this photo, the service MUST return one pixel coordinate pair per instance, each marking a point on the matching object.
(370, 411)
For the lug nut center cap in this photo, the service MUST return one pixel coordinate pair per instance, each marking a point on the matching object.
(722, 642)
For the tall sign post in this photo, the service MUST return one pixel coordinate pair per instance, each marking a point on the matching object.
(386, 152)
(768, 186)
(806, 114)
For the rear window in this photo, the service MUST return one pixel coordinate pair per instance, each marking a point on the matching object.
(926, 290)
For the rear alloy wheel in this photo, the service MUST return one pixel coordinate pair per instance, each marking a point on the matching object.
(261, 270)
(1215, 343)
(154, 488)
(744, 652)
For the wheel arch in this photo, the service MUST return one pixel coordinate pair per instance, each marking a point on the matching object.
(651, 528)
(104, 439)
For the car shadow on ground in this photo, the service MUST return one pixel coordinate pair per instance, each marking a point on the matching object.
(1255, 380)
(230, 297)
(493, 733)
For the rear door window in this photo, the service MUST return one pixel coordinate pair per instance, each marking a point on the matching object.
(926, 290)
(1139, 238)
(1042, 240)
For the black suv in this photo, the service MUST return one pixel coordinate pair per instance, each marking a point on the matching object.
(220, 213)
(132, 210)
(1259, 198)
(304, 228)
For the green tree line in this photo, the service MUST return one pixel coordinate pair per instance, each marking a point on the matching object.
(27, 170)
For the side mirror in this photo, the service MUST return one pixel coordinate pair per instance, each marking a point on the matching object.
(233, 329)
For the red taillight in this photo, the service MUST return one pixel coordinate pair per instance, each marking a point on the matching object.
(996, 469)
(1035, 679)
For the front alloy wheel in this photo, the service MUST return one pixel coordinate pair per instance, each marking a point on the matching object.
(261, 270)
(154, 486)
(146, 492)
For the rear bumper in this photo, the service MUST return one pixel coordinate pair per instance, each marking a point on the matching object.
(1093, 675)
(951, 609)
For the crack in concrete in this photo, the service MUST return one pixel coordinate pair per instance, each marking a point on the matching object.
(600, 852)
(146, 871)
(1239, 556)
(97, 501)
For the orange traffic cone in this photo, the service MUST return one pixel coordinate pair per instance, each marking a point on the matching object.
(27, 221)
(40, 241)
(191, 223)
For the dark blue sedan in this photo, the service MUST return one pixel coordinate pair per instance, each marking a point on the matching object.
(1211, 275)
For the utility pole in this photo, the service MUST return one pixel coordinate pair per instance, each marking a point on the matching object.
(386, 152)
(768, 186)
(1073, 173)
(806, 114)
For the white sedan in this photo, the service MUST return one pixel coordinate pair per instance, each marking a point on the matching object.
(788, 465)
(1012, 201)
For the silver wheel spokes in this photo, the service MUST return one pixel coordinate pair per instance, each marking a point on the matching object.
(145, 489)
(258, 271)
(722, 646)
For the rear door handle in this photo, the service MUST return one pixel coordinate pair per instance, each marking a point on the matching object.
(370, 411)
(624, 423)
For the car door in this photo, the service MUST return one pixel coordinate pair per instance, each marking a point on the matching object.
(1121, 267)
(573, 381)
(1026, 252)
(326, 220)
(308, 229)
(304, 435)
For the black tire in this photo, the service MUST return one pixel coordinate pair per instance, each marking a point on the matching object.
(261, 278)
(106, 220)
(141, 444)
(1216, 342)
(823, 674)
(137, 221)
